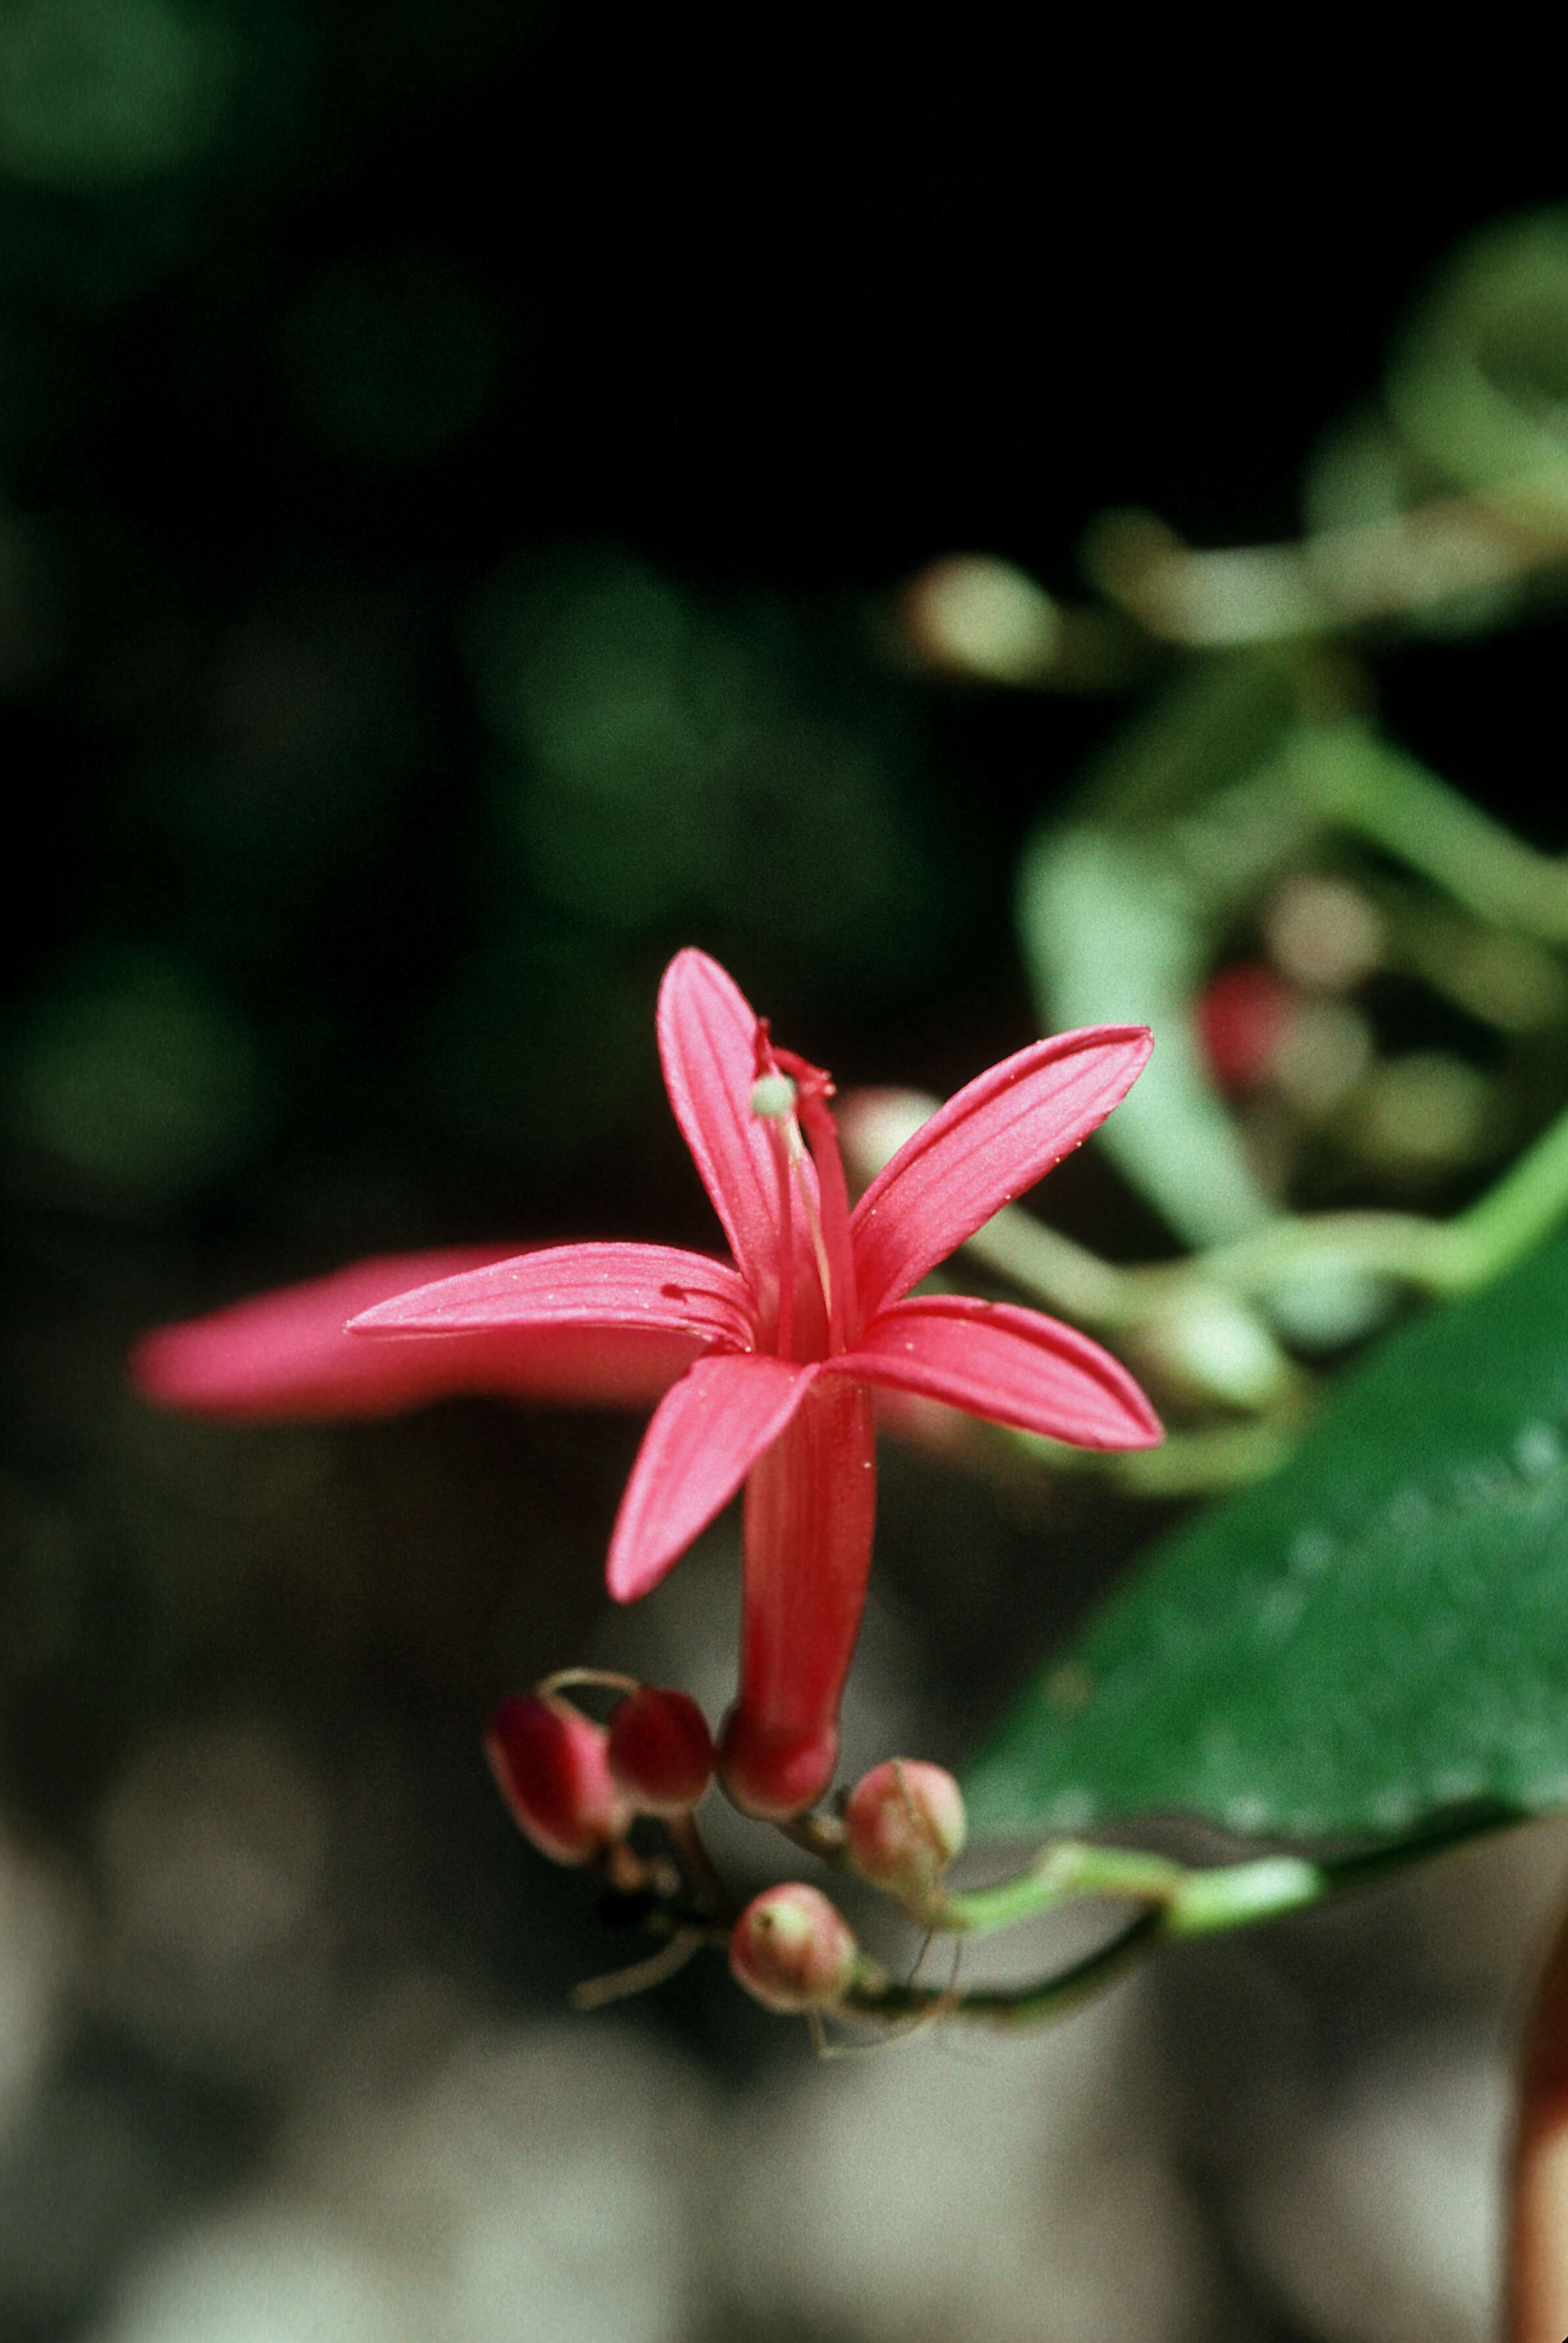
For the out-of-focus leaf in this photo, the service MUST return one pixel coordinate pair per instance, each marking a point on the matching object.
(1475, 382)
(1181, 819)
(1378, 1633)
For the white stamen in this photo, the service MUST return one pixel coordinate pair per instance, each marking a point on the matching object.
(814, 1222)
(773, 1100)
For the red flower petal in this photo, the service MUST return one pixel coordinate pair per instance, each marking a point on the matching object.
(704, 1437)
(810, 1507)
(287, 1356)
(603, 1287)
(1015, 1366)
(996, 1138)
(707, 1045)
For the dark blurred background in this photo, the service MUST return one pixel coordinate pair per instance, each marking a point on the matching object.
(457, 469)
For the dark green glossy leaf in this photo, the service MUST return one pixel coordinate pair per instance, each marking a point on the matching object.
(1375, 1634)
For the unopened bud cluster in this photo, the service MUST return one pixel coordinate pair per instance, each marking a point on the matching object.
(793, 1950)
(576, 1788)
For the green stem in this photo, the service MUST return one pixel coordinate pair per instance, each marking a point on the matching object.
(877, 1995)
(1402, 805)
(1185, 1464)
(1198, 1900)
(1517, 1211)
(1182, 1903)
(1179, 1904)
(1064, 1275)
(1400, 1246)
(1188, 1902)
(1368, 1867)
(1060, 1873)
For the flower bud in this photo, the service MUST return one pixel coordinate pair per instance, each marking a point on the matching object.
(660, 1750)
(552, 1767)
(903, 1824)
(793, 1951)
(972, 615)
(1243, 1015)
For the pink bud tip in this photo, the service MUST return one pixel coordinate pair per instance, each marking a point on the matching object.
(552, 1767)
(775, 1775)
(660, 1750)
(793, 1951)
(903, 1824)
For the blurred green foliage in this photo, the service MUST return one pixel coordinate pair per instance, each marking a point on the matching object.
(340, 733)
(97, 95)
(129, 1083)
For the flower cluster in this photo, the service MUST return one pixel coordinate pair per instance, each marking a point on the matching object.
(576, 1788)
(763, 1365)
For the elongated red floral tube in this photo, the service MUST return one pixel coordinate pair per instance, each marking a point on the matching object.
(810, 1509)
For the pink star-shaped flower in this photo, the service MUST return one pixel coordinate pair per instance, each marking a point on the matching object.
(766, 1362)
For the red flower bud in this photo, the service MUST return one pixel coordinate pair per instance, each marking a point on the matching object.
(552, 1767)
(793, 1951)
(1243, 1016)
(903, 1824)
(660, 1750)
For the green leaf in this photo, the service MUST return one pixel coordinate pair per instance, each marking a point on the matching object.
(1377, 1634)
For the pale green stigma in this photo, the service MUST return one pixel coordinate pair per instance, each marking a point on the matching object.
(773, 1098)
